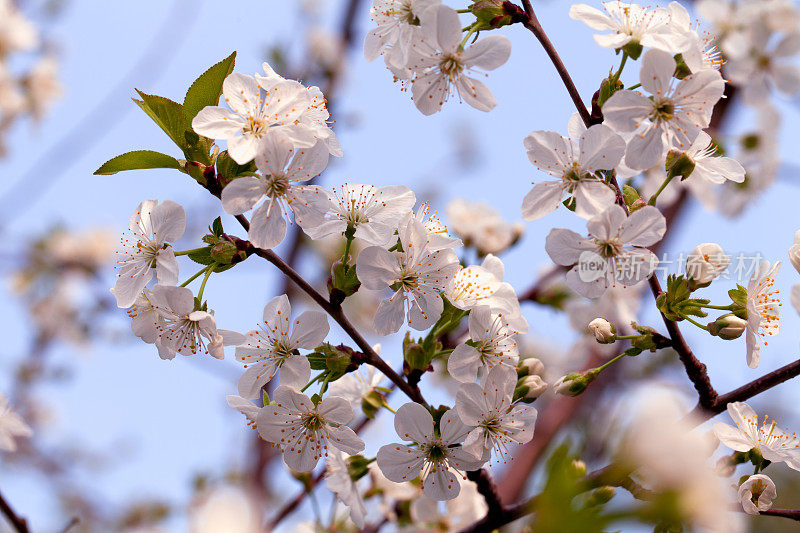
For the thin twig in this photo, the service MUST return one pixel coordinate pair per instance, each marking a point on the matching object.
(19, 524)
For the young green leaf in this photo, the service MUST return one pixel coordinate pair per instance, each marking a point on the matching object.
(167, 114)
(207, 88)
(136, 160)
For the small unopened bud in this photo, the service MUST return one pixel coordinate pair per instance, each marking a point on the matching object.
(574, 383)
(705, 263)
(529, 388)
(530, 367)
(603, 330)
(601, 496)
(578, 468)
(727, 327)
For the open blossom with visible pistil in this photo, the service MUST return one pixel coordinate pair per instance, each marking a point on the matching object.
(444, 64)
(276, 346)
(417, 275)
(147, 249)
(483, 285)
(772, 442)
(756, 494)
(303, 430)
(672, 118)
(183, 329)
(432, 456)
(146, 321)
(575, 162)
(762, 310)
(265, 106)
(487, 408)
(374, 212)
(615, 251)
(663, 29)
(491, 343)
(758, 62)
(11, 426)
(398, 30)
(277, 185)
(339, 481)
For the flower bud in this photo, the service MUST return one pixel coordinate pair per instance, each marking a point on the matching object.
(578, 468)
(603, 330)
(495, 13)
(706, 262)
(530, 367)
(574, 383)
(727, 327)
(529, 388)
(601, 496)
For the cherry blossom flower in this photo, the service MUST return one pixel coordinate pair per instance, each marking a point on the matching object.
(357, 385)
(756, 494)
(487, 408)
(483, 285)
(706, 262)
(417, 275)
(444, 63)
(146, 321)
(12, 426)
(276, 346)
(758, 62)
(374, 212)
(629, 23)
(397, 30)
(17, 33)
(278, 184)
(672, 118)
(185, 330)
(263, 106)
(709, 166)
(339, 481)
(762, 310)
(432, 456)
(303, 430)
(491, 343)
(147, 248)
(575, 162)
(774, 444)
(615, 251)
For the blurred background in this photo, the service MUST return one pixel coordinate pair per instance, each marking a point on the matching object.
(123, 440)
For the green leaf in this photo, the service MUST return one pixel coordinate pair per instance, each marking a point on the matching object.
(167, 114)
(207, 88)
(202, 256)
(136, 160)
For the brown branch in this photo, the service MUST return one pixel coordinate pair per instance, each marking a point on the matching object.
(793, 514)
(487, 488)
(19, 524)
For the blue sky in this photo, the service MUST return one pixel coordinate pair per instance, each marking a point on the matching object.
(152, 412)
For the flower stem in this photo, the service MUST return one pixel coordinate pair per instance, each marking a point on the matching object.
(313, 380)
(187, 252)
(626, 337)
(660, 189)
(696, 323)
(621, 66)
(193, 277)
(720, 307)
(386, 405)
(632, 87)
(610, 362)
(209, 271)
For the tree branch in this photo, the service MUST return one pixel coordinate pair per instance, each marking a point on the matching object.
(19, 524)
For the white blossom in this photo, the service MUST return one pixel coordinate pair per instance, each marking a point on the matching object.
(460, 512)
(338, 480)
(444, 64)
(397, 30)
(758, 62)
(303, 430)
(774, 444)
(431, 456)
(417, 275)
(491, 343)
(756, 494)
(147, 248)
(673, 118)
(481, 226)
(495, 422)
(277, 186)
(575, 162)
(615, 251)
(706, 262)
(709, 166)
(276, 344)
